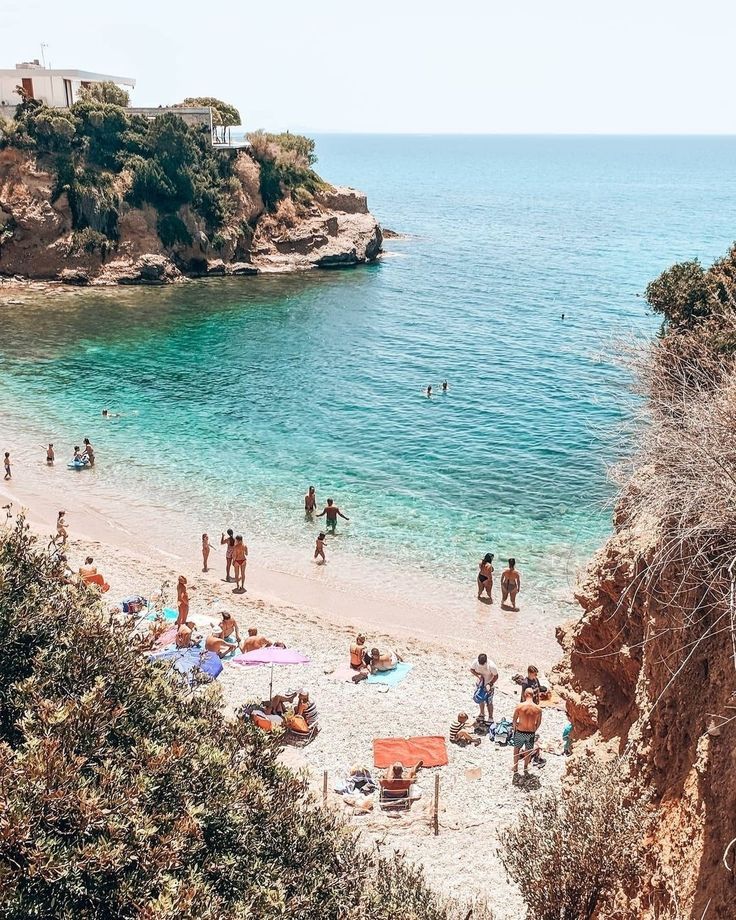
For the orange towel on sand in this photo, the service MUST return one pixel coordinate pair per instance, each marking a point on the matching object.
(430, 749)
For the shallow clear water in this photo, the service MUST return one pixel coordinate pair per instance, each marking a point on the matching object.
(237, 394)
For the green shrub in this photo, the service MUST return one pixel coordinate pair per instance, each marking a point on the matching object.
(568, 850)
(222, 112)
(89, 240)
(123, 796)
(286, 162)
(172, 230)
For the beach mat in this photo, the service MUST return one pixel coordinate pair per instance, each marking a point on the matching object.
(343, 672)
(391, 678)
(431, 749)
(167, 637)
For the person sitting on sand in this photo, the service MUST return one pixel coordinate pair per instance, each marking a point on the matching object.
(458, 733)
(219, 646)
(485, 577)
(526, 721)
(186, 635)
(254, 641)
(310, 502)
(331, 512)
(88, 568)
(319, 549)
(531, 682)
(383, 661)
(205, 551)
(510, 585)
(182, 600)
(228, 629)
(359, 657)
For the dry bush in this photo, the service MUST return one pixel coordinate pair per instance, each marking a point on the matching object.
(569, 850)
(286, 215)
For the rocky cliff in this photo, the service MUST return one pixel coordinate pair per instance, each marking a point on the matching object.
(38, 240)
(649, 668)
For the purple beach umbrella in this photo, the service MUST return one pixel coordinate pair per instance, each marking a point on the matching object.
(272, 655)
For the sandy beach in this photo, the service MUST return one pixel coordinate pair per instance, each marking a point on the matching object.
(477, 797)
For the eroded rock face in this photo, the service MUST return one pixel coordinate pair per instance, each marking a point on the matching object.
(36, 235)
(648, 676)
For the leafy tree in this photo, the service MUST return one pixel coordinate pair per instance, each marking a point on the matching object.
(222, 112)
(106, 91)
(123, 796)
(680, 294)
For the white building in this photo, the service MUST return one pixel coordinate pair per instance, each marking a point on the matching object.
(57, 88)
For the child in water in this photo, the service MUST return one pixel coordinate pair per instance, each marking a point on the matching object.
(319, 549)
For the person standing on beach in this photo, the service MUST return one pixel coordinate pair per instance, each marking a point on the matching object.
(319, 549)
(331, 512)
(89, 452)
(526, 722)
(510, 585)
(205, 551)
(230, 541)
(50, 457)
(61, 530)
(240, 556)
(485, 577)
(182, 600)
(7, 465)
(310, 502)
(486, 675)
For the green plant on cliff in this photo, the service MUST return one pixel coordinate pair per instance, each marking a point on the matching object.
(568, 850)
(125, 795)
(106, 91)
(286, 162)
(222, 112)
(170, 164)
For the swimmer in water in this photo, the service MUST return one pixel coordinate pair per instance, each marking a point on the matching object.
(331, 512)
(444, 386)
(319, 549)
(429, 391)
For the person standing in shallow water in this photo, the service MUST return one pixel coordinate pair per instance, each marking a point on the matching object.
(331, 512)
(485, 577)
(310, 502)
(510, 585)
(89, 452)
(6, 462)
(50, 455)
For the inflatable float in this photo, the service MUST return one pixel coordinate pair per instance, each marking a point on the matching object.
(79, 465)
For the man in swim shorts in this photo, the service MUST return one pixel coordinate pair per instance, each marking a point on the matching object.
(310, 502)
(331, 512)
(526, 721)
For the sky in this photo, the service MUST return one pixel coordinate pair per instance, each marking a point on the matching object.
(404, 66)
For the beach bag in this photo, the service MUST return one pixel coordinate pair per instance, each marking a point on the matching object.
(481, 694)
(504, 731)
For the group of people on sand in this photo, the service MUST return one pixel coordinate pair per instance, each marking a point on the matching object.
(510, 582)
(225, 639)
(236, 557)
(374, 661)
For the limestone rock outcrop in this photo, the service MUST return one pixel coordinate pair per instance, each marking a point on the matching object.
(37, 238)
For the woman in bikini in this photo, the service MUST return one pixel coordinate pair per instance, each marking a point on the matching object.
(510, 585)
(205, 551)
(228, 539)
(61, 532)
(240, 554)
(485, 577)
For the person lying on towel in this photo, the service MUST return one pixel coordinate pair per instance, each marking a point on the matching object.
(383, 661)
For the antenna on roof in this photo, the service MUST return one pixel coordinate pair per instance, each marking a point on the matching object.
(43, 54)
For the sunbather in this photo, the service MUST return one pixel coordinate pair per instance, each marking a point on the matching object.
(383, 661)
(254, 641)
(186, 636)
(359, 657)
(398, 782)
(458, 733)
(307, 708)
(88, 568)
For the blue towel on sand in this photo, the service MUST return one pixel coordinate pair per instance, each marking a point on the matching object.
(391, 678)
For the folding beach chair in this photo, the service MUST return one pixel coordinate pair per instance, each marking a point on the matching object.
(394, 794)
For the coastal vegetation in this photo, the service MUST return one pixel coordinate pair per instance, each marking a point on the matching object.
(124, 794)
(223, 113)
(286, 162)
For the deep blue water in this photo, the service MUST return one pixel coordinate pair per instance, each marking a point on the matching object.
(237, 394)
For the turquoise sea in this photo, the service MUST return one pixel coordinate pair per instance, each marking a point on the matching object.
(235, 395)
